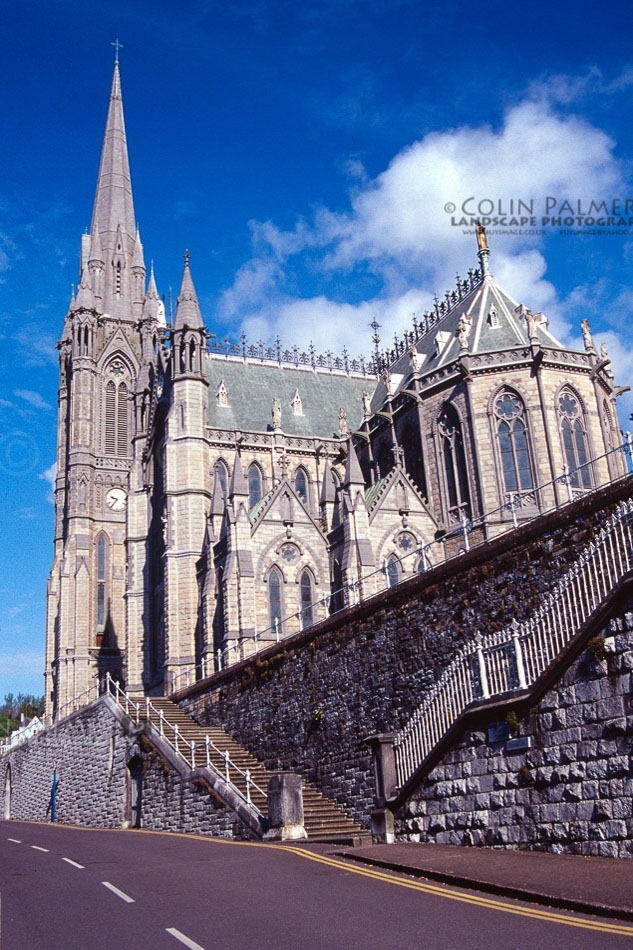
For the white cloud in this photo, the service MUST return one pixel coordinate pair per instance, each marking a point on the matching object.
(49, 476)
(398, 239)
(33, 398)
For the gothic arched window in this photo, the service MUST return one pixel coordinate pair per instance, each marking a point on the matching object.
(336, 512)
(410, 442)
(454, 459)
(513, 444)
(121, 432)
(254, 485)
(301, 485)
(336, 600)
(574, 439)
(385, 460)
(102, 584)
(222, 475)
(393, 571)
(110, 418)
(117, 408)
(275, 582)
(307, 597)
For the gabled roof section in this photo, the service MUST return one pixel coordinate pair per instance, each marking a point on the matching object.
(251, 385)
(492, 324)
(377, 494)
(259, 511)
(113, 204)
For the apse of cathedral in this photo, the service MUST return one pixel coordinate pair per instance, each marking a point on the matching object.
(207, 494)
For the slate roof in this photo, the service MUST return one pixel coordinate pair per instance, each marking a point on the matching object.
(252, 384)
(482, 337)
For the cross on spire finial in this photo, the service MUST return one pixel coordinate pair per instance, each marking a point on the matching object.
(375, 326)
(117, 47)
(187, 258)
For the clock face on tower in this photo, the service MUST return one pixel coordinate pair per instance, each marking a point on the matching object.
(115, 499)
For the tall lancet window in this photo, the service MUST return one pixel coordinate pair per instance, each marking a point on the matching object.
(117, 409)
(222, 475)
(275, 582)
(102, 582)
(513, 443)
(121, 431)
(454, 458)
(110, 418)
(392, 571)
(301, 485)
(254, 485)
(307, 598)
(574, 439)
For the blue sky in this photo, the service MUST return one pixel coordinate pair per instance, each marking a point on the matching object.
(304, 153)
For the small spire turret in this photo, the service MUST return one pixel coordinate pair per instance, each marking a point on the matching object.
(187, 308)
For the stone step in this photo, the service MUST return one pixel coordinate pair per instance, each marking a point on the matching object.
(322, 818)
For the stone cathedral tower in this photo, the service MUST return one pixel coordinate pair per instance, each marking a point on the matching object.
(113, 327)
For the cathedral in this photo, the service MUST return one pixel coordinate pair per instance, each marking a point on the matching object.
(210, 496)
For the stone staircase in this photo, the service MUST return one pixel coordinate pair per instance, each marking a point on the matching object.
(323, 820)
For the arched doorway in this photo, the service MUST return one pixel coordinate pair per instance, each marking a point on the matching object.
(134, 810)
(7, 794)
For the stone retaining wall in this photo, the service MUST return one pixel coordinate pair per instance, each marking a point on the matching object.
(309, 704)
(92, 751)
(571, 791)
(89, 750)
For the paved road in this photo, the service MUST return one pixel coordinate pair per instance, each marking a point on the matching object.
(73, 888)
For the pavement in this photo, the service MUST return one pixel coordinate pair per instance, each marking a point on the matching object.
(66, 888)
(602, 886)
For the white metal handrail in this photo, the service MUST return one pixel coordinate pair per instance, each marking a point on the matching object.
(512, 659)
(430, 554)
(143, 709)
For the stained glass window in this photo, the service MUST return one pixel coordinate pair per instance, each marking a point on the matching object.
(254, 485)
(574, 439)
(306, 600)
(513, 442)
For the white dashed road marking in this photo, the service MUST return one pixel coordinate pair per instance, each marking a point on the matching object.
(15, 840)
(74, 863)
(36, 847)
(183, 939)
(115, 890)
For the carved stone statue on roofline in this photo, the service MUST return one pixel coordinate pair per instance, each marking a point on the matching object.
(276, 411)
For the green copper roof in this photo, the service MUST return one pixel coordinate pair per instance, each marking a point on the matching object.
(251, 387)
(371, 493)
(259, 507)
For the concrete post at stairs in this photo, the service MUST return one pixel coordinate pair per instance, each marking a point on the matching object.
(385, 783)
(285, 808)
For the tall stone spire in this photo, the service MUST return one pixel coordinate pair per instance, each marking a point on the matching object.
(113, 200)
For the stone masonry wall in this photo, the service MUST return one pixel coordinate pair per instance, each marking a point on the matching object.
(571, 791)
(91, 750)
(173, 804)
(309, 704)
